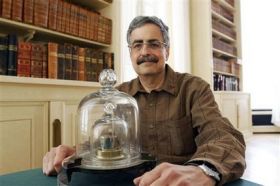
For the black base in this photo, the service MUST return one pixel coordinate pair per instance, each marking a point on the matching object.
(79, 176)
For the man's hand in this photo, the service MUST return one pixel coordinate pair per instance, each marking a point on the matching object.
(167, 174)
(53, 159)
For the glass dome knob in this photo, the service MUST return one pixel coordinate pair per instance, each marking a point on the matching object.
(107, 78)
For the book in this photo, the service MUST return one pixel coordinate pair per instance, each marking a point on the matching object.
(59, 15)
(52, 14)
(81, 64)
(61, 62)
(17, 7)
(3, 55)
(7, 9)
(37, 54)
(68, 60)
(100, 65)
(41, 10)
(24, 59)
(12, 55)
(94, 66)
(88, 64)
(28, 7)
(75, 73)
(108, 59)
(52, 60)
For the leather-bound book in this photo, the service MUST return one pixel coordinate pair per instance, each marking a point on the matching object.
(12, 54)
(74, 23)
(3, 55)
(17, 7)
(99, 63)
(52, 14)
(45, 61)
(52, 60)
(88, 64)
(75, 70)
(28, 7)
(68, 60)
(61, 62)
(81, 64)
(37, 60)
(24, 59)
(41, 10)
(94, 61)
(59, 15)
(66, 17)
(23, 69)
(7, 9)
(83, 21)
(108, 60)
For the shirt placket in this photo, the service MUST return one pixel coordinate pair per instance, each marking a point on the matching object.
(152, 133)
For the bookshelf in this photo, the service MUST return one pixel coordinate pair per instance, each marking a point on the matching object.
(37, 113)
(217, 57)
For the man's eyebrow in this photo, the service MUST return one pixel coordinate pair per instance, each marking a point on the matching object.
(141, 40)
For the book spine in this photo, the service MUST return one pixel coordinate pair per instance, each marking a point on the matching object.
(52, 14)
(68, 61)
(17, 7)
(45, 61)
(81, 64)
(99, 64)
(3, 55)
(88, 53)
(61, 62)
(7, 8)
(66, 17)
(12, 55)
(24, 59)
(23, 68)
(94, 66)
(59, 15)
(28, 8)
(41, 10)
(52, 60)
(36, 60)
(75, 73)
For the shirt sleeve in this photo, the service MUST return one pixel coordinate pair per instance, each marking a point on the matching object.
(218, 142)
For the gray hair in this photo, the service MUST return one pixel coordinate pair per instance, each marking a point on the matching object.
(142, 20)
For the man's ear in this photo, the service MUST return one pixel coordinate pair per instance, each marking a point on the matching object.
(167, 53)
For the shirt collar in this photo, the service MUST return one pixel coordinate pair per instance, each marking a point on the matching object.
(169, 84)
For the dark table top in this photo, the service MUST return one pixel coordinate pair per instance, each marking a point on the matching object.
(35, 177)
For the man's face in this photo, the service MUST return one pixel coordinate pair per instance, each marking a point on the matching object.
(147, 50)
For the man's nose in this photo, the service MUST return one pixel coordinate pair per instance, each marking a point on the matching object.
(145, 48)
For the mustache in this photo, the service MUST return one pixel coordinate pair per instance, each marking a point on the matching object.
(147, 58)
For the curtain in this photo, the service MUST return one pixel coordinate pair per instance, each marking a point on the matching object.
(260, 47)
(175, 13)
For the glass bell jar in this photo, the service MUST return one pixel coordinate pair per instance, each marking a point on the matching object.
(108, 128)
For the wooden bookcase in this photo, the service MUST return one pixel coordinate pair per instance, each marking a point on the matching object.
(36, 113)
(216, 51)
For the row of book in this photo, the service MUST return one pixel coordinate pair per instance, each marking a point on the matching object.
(231, 2)
(224, 46)
(227, 66)
(59, 15)
(220, 27)
(225, 83)
(216, 7)
(52, 60)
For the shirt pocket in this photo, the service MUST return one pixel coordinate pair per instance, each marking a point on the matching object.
(176, 137)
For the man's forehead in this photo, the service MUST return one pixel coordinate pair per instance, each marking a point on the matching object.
(146, 32)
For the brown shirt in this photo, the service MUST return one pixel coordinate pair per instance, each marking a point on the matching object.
(181, 122)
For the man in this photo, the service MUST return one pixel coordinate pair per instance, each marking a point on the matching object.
(183, 126)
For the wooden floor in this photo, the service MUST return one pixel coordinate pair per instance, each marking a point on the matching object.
(263, 159)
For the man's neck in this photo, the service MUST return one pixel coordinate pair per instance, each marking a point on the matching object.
(152, 82)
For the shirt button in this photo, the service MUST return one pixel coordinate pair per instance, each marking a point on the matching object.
(151, 104)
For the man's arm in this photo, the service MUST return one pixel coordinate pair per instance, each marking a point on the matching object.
(218, 142)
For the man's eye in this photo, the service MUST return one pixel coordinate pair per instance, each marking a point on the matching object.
(155, 45)
(137, 45)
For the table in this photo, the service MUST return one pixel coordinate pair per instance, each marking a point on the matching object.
(35, 177)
